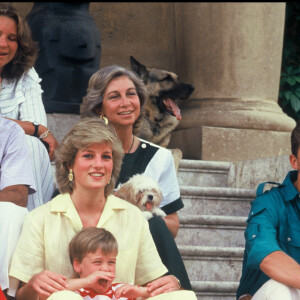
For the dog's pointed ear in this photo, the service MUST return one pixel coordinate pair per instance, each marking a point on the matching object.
(139, 69)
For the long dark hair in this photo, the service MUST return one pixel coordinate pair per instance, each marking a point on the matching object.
(27, 48)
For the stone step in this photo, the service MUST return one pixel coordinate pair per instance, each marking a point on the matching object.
(203, 173)
(216, 201)
(206, 230)
(215, 290)
(213, 263)
(212, 224)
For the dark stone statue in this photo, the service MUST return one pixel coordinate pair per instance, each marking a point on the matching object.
(70, 50)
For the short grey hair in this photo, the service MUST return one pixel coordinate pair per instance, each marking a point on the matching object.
(84, 133)
(98, 84)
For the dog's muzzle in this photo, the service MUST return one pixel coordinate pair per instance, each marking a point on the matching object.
(150, 197)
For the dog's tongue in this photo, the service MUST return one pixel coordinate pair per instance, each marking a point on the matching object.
(149, 206)
(175, 109)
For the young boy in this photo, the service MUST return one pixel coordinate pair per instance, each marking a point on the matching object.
(93, 253)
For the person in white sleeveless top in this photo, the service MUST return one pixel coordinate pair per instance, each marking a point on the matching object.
(21, 101)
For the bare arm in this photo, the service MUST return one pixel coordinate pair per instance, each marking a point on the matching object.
(25, 292)
(27, 126)
(17, 194)
(90, 281)
(29, 129)
(77, 283)
(282, 268)
(172, 223)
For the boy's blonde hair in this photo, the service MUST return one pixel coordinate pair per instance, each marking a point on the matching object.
(89, 240)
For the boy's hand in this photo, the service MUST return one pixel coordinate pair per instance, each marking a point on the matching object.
(131, 291)
(98, 281)
(99, 277)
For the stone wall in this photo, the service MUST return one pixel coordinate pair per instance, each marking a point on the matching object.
(248, 174)
(143, 30)
(230, 52)
(232, 55)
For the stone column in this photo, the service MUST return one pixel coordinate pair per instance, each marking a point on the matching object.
(231, 53)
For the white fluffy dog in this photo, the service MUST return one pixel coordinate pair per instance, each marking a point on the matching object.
(143, 192)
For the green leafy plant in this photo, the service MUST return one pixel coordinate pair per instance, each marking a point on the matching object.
(289, 92)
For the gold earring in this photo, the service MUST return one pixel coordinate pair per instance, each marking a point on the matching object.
(70, 176)
(109, 181)
(102, 117)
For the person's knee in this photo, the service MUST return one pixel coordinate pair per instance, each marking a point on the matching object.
(275, 287)
(274, 290)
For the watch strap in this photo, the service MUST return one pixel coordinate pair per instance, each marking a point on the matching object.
(36, 129)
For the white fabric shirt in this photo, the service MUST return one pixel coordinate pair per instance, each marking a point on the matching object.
(15, 169)
(23, 101)
(162, 168)
(11, 222)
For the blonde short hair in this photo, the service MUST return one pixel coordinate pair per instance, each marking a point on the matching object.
(89, 240)
(84, 133)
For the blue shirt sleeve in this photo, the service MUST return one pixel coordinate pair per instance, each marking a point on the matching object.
(261, 234)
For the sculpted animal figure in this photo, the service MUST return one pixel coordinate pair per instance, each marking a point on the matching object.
(161, 113)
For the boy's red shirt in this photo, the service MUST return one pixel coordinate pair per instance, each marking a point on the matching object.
(2, 297)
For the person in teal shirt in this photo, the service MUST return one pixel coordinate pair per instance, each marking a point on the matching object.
(271, 267)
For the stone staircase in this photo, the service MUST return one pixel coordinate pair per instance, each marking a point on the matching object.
(211, 234)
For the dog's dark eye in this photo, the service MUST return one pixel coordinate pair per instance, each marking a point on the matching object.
(167, 78)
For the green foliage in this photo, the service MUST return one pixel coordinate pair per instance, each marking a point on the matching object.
(289, 92)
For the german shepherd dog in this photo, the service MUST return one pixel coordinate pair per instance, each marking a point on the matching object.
(161, 113)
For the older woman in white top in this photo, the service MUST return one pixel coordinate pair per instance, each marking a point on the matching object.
(20, 99)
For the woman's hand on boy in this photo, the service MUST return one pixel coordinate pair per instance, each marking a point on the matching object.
(132, 291)
(165, 284)
(47, 283)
